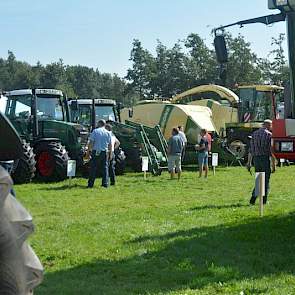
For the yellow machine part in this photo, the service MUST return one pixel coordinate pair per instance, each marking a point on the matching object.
(223, 92)
(221, 114)
(167, 116)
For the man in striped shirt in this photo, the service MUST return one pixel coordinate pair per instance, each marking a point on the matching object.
(260, 152)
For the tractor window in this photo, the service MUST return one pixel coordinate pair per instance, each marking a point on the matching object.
(104, 112)
(247, 104)
(263, 106)
(82, 115)
(49, 108)
(19, 107)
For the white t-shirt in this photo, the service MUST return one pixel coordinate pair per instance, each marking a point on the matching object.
(183, 137)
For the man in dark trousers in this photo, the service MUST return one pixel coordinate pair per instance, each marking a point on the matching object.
(261, 153)
(100, 146)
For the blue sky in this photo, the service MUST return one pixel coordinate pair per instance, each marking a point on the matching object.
(99, 33)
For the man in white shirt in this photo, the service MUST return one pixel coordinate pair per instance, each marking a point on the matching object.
(184, 140)
(112, 160)
(100, 145)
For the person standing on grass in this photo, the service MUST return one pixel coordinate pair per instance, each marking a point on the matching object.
(260, 152)
(174, 151)
(112, 160)
(184, 140)
(203, 149)
(100, 147)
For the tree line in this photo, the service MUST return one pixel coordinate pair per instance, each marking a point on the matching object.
(188, 63)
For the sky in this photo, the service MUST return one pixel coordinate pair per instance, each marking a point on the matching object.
(99, 34)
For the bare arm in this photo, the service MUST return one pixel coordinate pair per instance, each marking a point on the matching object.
(117, 144)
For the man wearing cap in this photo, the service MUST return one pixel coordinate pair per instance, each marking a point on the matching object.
(100, 146)
(261, 152)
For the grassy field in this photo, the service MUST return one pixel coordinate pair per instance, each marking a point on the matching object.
(159, 236)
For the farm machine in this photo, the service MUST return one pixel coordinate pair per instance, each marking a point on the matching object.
(42, 120)
(283, 128)
(236, 114)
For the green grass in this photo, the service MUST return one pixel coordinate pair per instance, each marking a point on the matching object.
(159, 236)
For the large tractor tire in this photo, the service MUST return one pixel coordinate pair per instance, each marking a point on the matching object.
(26, 166)
(52, 160)
(239, 146)
(20, 268)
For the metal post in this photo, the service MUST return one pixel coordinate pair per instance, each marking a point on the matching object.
(291, 45)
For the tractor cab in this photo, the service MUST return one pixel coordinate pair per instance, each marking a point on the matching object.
(88, 112)
(28, 110)
(259, 102)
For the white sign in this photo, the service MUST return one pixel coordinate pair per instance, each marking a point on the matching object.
(282, 160)
(145, 164)
(260, 183)
(71, 168)
(214, 159)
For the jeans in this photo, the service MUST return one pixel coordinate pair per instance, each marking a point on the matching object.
(202, 158)
(112, 170)
(262, 164)
(99, 162)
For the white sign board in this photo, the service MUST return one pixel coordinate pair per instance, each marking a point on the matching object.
(71, 168)
(214, 159)
(145, 164)
(282, 160)
(260, 183)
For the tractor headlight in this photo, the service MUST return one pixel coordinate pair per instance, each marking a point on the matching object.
(287, 146)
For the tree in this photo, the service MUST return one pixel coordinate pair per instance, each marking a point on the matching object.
(143, 70)
(243, 65)
(278, 67)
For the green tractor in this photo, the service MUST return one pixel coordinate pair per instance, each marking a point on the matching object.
(88, 112)
(42, 119)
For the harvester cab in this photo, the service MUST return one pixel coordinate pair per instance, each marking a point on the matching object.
(259, 102)
(256, 104)
(41, 118)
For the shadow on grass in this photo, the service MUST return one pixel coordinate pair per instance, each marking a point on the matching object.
(63, 187)
(192, 259)
(229, 206)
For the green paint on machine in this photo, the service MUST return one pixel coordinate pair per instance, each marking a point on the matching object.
(165, 116)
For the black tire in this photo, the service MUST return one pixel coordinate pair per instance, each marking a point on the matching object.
(239, 146)
(52, 160)
(134, 159)
(26, 166)
(20, 269)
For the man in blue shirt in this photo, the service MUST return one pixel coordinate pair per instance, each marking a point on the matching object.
(100, 146)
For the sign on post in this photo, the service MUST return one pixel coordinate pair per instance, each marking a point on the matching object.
(282, 161)
(214, 161)
(145, 165)
(260, 189)
(71, 169)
